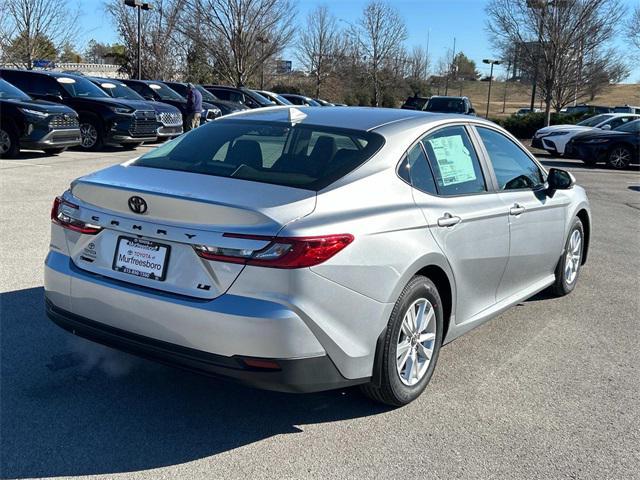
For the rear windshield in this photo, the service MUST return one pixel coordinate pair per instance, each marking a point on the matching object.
(302, 156)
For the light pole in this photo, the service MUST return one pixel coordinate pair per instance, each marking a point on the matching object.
(262, 41)
(492, 63)
(138, 5)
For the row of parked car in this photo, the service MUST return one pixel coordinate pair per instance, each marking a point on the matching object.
(612, 138)
(52, 111)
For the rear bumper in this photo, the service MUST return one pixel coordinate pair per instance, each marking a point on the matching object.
(294, 375)
(208, 336)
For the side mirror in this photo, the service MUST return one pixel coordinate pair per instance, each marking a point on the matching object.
(560, 180)
(606, 127)
(53, 98)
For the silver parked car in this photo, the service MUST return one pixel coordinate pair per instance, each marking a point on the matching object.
(305, 249)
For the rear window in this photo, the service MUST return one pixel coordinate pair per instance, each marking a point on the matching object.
(301, 156)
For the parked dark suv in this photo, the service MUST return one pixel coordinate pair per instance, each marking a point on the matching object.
(103, 120)
(460, 105)
(168, 117)
(224, 106)
(34, 124)
(159, 92)
(240, 95)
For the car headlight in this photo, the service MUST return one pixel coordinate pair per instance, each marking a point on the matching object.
(34, 113)
(122, 110)
(597, 140)
(556, 134)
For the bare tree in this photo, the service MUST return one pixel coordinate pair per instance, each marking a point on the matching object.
(162, 51)
(35, 30)
(241, 36)
(320, 45)
(633, 27)
(418, 63)
(381, 34)
(555, 38)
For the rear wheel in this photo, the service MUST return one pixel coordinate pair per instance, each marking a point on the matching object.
(619, 157)
(54, 151)
(411, 345)
(9, 143)
(90, 133)
(568, 268)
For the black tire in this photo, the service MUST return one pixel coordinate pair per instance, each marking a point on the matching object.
(564, 284)
(131, 146)
(619, 157)
(392, 390)
(10, 146)
(54, 151)
(91, 122)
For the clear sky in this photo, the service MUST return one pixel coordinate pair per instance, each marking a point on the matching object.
(440, 20)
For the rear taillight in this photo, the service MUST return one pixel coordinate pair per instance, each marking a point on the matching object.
(62, 214)
(281, 252)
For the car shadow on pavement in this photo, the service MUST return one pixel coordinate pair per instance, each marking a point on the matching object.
(70, 407)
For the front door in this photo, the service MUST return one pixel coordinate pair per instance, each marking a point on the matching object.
(536, 220)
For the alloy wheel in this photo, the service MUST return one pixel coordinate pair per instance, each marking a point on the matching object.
(573, 256)
(5, 142)
(620, 158)
(416, 342)
(88, 135)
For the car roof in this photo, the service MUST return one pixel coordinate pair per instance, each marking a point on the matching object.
(357, 118)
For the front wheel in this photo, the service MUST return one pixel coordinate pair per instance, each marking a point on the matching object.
(568, 268)
(90, 134)
(411, 345)
(9, 143)
(619, 157)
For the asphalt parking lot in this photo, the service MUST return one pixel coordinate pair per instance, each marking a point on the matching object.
(549, 389)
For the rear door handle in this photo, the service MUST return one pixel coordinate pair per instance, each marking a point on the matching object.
(448, 220)
(516, 209)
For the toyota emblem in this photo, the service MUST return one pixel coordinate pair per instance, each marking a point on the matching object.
(137, 204)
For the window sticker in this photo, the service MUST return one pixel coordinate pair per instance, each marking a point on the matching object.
(454, 160)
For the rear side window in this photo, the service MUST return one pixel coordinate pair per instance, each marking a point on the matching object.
(415, 170)
(454, 162)
(301, 156)
(33, 83)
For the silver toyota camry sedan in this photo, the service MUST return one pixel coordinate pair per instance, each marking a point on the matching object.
(306, 249)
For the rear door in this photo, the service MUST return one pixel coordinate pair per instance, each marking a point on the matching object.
(536, 220)
(465, 216)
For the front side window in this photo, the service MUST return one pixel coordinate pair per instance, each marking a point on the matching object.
(512, 166)
(630, 127)
(618, 121)
(454, 162)
(301, 156)
(9, 92)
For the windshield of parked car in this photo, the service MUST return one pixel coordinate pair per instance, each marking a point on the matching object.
(593, 121)
(207, 96)
(416, 102)
(9, 92)
(631, 127)
(164, 92)
(80, 87)
(265, 102)
(301, 156)
(119, 90)
(445, 105)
